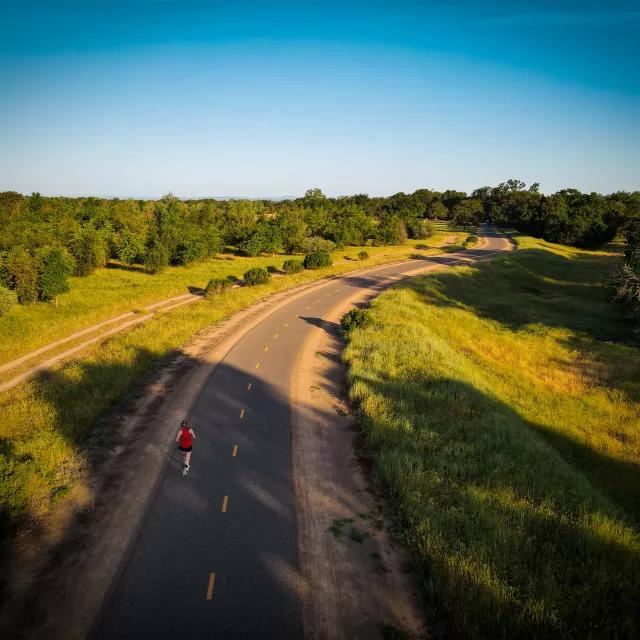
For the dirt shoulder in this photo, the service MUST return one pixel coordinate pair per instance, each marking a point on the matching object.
(354, 574)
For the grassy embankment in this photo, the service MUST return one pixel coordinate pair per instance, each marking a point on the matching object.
(44, 423)
(501, 403)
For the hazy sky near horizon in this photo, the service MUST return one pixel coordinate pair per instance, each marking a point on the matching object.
(134, 98)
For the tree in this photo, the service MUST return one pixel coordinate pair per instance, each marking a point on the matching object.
(23, 274)
(438, 211)
(157, 256)
(53, 274)
(129, 247)
(89, 250)
(467, 213)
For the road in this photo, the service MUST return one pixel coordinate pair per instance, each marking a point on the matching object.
(216, 556)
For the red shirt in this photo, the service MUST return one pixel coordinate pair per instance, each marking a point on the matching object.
(185, 437)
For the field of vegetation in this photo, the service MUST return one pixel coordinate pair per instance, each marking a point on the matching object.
(46, 421)
(501, 405)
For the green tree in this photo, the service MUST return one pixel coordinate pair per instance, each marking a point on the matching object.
(23, 274)
(467, 213)
(156, 257)
(89, 251)
(53, 274)
(129, 247)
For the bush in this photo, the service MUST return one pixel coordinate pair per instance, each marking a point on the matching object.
(353, 319)
(422, 229)
(256, 276)
(217, 286)
(7, 300)
(363, 255)
(316, 243)
(470, 240)
(317, 260)
(292, 266)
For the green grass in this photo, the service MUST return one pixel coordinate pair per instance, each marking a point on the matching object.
(501, 403)
(111, 291)
(48, 425)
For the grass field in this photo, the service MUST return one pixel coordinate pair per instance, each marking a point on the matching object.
(45, 423)
(501, 406)
(118, 289)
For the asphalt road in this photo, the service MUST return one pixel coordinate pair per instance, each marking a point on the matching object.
(217, 553)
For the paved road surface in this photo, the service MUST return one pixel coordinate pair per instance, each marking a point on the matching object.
(217, 553)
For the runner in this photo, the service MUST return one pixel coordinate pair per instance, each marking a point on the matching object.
(185, 438)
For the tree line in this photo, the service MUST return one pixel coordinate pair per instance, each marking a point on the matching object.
(43, 240)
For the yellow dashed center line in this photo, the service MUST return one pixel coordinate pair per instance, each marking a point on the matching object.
(266, 348)
(241, 414)
(249, 387)
(257, 365)
(276, 336)
(286, 324)
(225, 504)
(212, 582)
(234, 451)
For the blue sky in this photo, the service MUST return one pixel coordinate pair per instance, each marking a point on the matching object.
(140, 97)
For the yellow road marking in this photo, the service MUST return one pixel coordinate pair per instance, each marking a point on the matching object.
(225, 503)
(258, 365)
(286, 324)
(249, 387)
(212, 582)
(234, 452)
(266, 348)
(241, 413)
(276, 336)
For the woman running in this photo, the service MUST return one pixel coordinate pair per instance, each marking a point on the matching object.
(185, 438)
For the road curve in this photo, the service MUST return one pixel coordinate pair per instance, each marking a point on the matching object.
(217, 556)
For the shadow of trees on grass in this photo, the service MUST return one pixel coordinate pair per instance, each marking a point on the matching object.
(513, 541)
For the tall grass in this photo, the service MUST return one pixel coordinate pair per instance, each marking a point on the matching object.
(45, 423)
(501, 404)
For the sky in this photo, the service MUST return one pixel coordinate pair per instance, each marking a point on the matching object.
(136, 98)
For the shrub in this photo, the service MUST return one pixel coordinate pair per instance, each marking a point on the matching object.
(255, 276)
(217, 286)
(7, 300)
(470, 240)
(292, 266)
(316, 243)
(53, 273)
(317, 260)
(422, 229)
(351, 320)
(363, 255)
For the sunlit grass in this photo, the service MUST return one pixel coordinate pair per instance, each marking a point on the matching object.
(45, 422)
(112, 291)
(501, 403)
